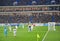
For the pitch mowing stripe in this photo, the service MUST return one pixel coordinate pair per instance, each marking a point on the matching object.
(45, 36)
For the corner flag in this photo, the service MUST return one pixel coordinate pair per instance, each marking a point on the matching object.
(38, 37)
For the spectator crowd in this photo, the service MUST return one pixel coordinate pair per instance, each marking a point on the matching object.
(34, 18)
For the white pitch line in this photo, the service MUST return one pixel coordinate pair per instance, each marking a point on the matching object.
(45, 36)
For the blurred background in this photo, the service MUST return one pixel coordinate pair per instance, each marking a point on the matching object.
(28, 2)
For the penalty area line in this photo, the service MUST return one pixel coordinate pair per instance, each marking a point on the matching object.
(45, 36)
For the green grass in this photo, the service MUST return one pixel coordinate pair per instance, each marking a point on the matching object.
(53, 35)
(24, 35)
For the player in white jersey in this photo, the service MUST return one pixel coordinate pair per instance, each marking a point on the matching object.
(16, 26)
(14, 32)
(30, 27)
(10, 27)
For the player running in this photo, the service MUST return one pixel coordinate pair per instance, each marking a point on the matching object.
(14, 32)
(5, 31)
(30, 27)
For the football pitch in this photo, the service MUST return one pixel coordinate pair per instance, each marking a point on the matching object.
(24, 35)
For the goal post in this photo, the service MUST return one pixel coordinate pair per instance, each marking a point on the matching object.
(51, 26)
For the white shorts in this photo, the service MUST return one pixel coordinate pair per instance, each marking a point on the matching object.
(14, 33)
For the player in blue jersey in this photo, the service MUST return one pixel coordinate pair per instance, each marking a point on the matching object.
(5, 30)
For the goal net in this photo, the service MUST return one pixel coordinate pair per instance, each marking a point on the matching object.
(51, 26)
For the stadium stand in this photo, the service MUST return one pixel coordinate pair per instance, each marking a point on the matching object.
(37, 17)
(28, 2)
(47, 13)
